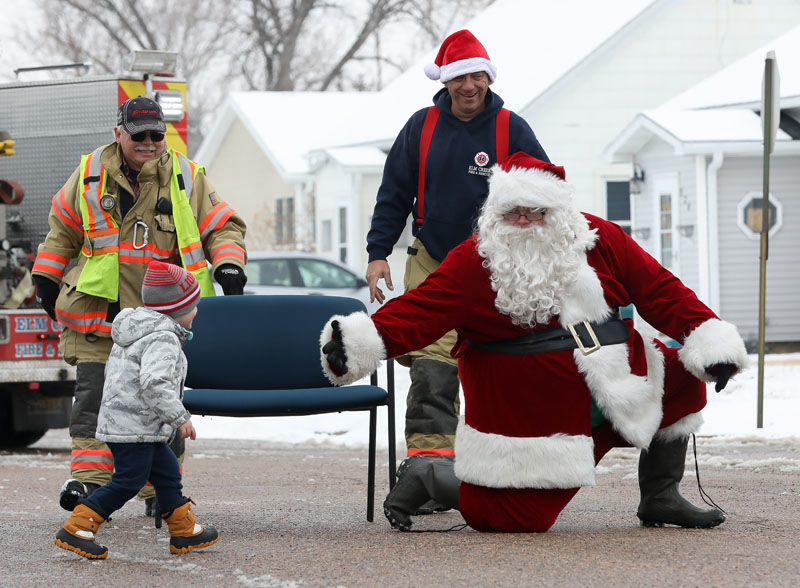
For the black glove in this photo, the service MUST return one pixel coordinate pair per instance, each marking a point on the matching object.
(46, 294)
(231, 278)
(722, 372)
(334, 351)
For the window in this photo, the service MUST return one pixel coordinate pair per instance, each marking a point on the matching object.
(268, 272)
(343, 235)
(327, 235)
(284, 221)
(750, 212)
(320, 274)
(665, 229)
(618, 204)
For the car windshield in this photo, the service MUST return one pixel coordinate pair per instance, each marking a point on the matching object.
(321, 274)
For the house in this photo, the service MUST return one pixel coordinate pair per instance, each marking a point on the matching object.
(699, 173)
(255, 156)
(575, 70)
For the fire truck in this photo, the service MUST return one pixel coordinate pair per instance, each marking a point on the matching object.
(45, 127)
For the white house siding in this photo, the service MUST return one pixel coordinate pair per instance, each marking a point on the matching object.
(244, 178)
(669, 48)
(739, 256)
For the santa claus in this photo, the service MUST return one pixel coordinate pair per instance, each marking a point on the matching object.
(552, 377)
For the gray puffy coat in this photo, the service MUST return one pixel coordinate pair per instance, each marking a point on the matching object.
(143, 391)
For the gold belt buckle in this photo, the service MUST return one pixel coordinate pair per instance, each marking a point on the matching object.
(585, 350)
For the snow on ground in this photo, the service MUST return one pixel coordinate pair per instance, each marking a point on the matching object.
(730, 413)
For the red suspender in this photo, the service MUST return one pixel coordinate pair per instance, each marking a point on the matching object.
(501, 139)
(424, 144)
(501, 133)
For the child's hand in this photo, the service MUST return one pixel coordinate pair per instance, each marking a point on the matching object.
(187, 430)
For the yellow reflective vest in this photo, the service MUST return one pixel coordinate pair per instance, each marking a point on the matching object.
(101, 232)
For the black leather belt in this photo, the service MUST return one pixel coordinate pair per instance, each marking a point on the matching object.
(584, 335)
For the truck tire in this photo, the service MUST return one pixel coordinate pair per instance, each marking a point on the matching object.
(17, 439)
(10, 439)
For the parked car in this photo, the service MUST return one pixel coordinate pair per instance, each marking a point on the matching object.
(290, 272)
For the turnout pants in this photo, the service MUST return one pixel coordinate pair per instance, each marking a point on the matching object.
(432, 404)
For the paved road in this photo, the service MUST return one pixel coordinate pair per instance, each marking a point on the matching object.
(295, 516)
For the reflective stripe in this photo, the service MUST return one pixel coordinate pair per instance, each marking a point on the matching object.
(431, 452)
(187, 173)
(193, 256)
(186, 228)
(90, 465)
(227, 250)
(217, 217)
(84, 322)
(65, 212)
(99, 276)
(50, 263)
(91, 459)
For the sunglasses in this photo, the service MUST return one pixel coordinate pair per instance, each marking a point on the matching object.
(154, 136)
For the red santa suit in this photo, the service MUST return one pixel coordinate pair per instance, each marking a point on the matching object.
(526, 443)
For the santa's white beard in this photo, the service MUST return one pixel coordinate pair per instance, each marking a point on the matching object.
(531, 268)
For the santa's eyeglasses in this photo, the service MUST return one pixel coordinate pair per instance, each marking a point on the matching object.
(155, 137)
(532, 214)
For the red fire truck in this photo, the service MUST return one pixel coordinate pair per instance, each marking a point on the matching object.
(45, 127)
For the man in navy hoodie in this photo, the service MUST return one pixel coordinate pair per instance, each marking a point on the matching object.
(437, 170)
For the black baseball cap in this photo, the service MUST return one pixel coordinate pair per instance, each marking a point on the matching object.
(140, 114)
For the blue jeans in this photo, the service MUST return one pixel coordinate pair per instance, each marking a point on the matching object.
(134, 465)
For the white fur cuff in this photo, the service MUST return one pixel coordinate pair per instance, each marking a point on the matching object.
(363, 347)
(713, 342)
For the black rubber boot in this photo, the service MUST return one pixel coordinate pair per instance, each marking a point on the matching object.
(419, 479)
(660, 472)
(71, 492)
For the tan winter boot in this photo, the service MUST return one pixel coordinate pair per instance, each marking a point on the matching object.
(78, 531)
(185, 533)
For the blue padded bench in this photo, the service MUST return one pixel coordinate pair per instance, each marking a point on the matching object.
(255, 356)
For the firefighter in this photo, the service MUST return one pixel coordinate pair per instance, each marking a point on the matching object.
(127, 203)
(437, 170)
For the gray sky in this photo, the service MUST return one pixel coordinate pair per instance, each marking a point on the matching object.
(16, 15)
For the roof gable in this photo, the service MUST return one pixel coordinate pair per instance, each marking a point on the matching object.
(283, 124)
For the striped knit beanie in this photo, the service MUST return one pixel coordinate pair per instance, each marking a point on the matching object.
(169, 289)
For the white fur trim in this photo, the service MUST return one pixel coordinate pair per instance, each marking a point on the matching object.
(689, 424)
(497, 461)
(432, 71)
(712, 342)
(632, 403)
(531, 187)
(466, 66)
(363, 347)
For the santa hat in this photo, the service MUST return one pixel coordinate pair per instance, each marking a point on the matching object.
(169, 289)
(461, 53)
(522, 180)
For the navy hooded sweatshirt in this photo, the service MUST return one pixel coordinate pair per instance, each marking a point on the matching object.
(455, 183)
